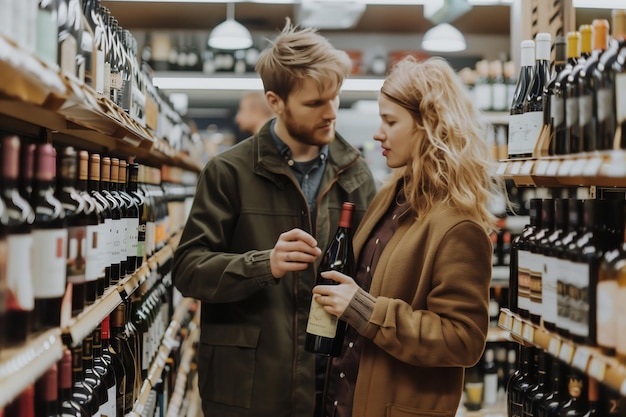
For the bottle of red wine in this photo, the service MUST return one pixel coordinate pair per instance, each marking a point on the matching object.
(325, 332)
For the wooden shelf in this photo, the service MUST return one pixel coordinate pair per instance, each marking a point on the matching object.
(592, 361)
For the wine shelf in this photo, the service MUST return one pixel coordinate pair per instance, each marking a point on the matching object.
(22, 365)
(592, 361)
(602, 168)
(34, 94)
(167, 344)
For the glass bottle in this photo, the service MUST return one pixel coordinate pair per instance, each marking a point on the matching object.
(559, 112)
(552, 106)
(517, 122)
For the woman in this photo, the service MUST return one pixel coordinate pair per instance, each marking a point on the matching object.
(418, 308)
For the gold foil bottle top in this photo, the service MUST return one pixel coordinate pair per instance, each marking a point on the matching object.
(122, 174)
(573, 44)
(83, 165)
(600, 34)
(586, 32)
(105, 169)
(94, 167)
(618, 17)
(115, 170)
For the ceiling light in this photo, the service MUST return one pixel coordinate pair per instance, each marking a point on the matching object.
(230, 34)
(598, 4)
(443, 38)
(329, 14)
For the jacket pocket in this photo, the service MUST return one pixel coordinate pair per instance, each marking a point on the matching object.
(226, 364)
(402, 411)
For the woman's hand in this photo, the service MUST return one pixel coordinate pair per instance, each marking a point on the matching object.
(335, 298)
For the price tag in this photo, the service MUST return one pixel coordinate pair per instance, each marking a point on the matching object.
(622, 388)
(517, 327)
(505, 321)
(597, 368)
(565, 168)
(502, 168)
(581, 358)
(527, 167)
(516, 167)
(553, 168)
(592, 167)
(566, 352)
(541, 167)
(578, 167)
(554, 347)
(529, 333)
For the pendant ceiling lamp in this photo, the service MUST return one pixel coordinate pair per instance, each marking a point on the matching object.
(443, 38)
(230, 34)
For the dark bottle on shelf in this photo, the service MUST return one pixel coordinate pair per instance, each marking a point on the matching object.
(107, 373)
(49, 243)
(47, 393)
(533, 102)
(576, 402)
(120, 346)
(603, 221)
(3, 276)
(561, 251)
(536, 392)
(551, 105)
(604, 75)
(137, 195)
(519, 382)
(550, 265)
(90, 375)
(116, 220)
(94, 248)
(74, 208)
(524, 259)
(325, 332)
(115, 362)
(558, 104)
(123, 223)
(18, 222)
(536, 245)
(82, 392)
(132, 219)
(572, 92)
(519, 241)
(68, 405)
(550, 403)
(587, 101)
(27, 170)
(106, 228)
(489, 373)
(23, 405)
(517, 123)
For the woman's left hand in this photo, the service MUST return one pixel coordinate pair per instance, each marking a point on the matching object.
(335, 298)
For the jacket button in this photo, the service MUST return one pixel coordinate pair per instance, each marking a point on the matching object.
(342, 375)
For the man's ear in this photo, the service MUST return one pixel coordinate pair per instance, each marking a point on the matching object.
(275, 102)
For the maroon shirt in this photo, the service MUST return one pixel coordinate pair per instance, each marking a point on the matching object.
(341, 379)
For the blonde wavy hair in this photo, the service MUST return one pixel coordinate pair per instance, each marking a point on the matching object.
(297, 54)
(451, 163)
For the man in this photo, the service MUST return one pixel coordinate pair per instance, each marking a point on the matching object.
(253, 112)
(264, 210)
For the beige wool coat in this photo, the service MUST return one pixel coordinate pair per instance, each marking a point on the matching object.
(430, 316)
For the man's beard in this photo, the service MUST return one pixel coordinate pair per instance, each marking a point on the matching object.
(306, 135)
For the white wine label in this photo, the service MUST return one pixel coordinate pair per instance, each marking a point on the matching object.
(606, 313)
(320, 322)
(19, 274)
(620, 96)
(76, 260)
(91, 248)
(534, 123)
(49, 251)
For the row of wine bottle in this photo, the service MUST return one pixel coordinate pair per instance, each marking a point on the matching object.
(567, 270)
(545, 386)
(103, 374)
(64, 239)
(579, 104)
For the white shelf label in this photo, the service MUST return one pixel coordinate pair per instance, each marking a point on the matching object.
(553, 168)
(597, 369)
(541, 167)
(516, 167)
(502, 168)
(581, 358)
(517, 327)
(529, 333)
(592, 167)
(527, 167)
(554, 347)
(566, 352)
(565, 168)
(578, 167)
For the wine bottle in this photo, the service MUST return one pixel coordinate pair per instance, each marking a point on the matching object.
(18, 220)
(119, 346)
(536, 259)
(137, 195)
(3, 275)
(23, 405)
(74, 208)
(517, 123)
(82, 392)
(49, 243)
(123, 221)
(559, 113)
(47, 393)
(106, 372)
(550, 265)
(520, 381)
(552, 106)
(576, 401)
(132, 219)
(68, 405)
(604, 75)
(535, 393)
(587, 100)
(325, 332)
(47, 33)
(550, 403)
(533, 101)
(116, 216)
(113, 360)
(106, 228)
(524, 259)
(572, 91)
(94, 249)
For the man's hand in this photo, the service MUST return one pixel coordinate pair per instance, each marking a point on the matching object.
(293, 251)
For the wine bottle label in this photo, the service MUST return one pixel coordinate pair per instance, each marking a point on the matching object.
(124, 239)
(557, 110)
(620, 318)
(19, 274)
(490, 393)
(99, 71)
(523, 280)
(141, 239)
(116, 248)
(562, 295)
(116, 81)
(49, 251)
(571, 110)
(320, 322)
(93, 266)
(605, 103)
(620, 96)
(517, 131)
(585, 109)
(548, 289)
(534, 123)
(606, 313)
(578, 297)
(68, 50)
(108, 241)
(536, 265)
(76, 260)
(131, 244)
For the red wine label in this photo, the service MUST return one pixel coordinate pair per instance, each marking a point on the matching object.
(19, 274)
(320, 322)
(76, 259)
(49, 253)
